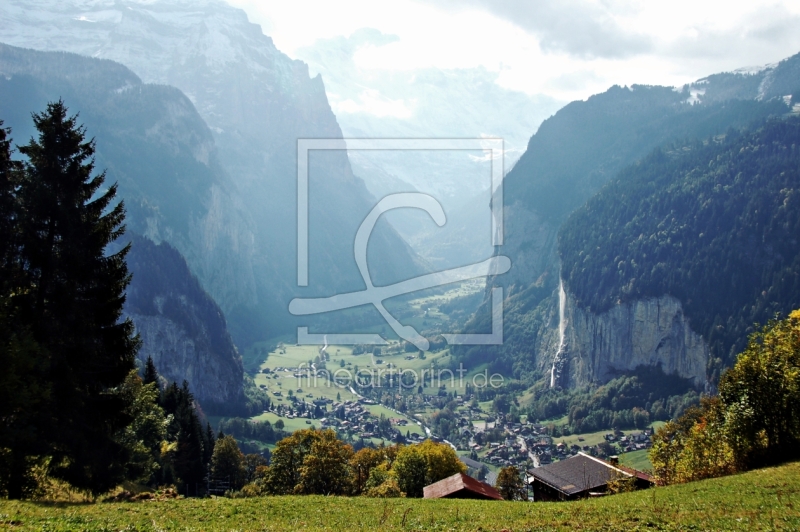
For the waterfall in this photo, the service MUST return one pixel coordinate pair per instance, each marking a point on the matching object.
(562, 328)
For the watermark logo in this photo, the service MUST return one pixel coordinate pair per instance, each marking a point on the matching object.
(376, 295)
(309, 376)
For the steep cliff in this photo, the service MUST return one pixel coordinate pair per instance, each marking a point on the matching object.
(647, 332)
(714, 224)
(181, 327)
(154, 145)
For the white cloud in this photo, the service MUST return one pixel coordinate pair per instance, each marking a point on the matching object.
(567, 50)
(372, 102)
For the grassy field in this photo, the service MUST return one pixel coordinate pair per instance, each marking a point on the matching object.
(637, 460)
(768, 499)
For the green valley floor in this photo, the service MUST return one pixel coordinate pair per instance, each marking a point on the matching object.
(767, 499)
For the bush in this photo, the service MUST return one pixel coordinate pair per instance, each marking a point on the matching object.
(389, 489)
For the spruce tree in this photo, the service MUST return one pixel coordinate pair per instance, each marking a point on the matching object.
(209, 441)
(22, 390)
(150, 373)
(67, 221)
(189, 460)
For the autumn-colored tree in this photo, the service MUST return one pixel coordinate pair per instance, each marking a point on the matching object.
(287, 459)
(755, 420)
(362, 463)
(417, 466)
(411, 468)
(326, 467)
(442, 461)
(255, 466)
(693, 447)
(227, 462)
(510, 485)
(761, 394)
(386, 490)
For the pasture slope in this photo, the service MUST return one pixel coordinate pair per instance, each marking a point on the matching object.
(766, 499)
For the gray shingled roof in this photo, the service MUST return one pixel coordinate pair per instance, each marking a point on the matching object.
(576, 474)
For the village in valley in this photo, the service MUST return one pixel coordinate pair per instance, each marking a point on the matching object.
(306, 390)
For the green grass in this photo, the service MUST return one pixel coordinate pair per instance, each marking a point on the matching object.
(290, 425)
(590, 438)
(637, 460)
(767, 499)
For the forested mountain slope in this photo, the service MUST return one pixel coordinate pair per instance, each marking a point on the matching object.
(714, 223)
(570, 158)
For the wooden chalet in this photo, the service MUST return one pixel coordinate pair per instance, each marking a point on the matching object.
(577, 477)
(461, 486)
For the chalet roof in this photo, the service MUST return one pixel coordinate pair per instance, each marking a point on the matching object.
(576, 474)
(460, 482)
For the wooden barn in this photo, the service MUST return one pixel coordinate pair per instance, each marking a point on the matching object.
(460, 486)
(578, 477)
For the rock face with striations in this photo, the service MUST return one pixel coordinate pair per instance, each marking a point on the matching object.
(569, 159)
(651, 332)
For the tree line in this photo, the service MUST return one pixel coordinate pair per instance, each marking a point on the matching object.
(317, 462)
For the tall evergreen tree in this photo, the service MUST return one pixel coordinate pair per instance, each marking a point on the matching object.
(190, 458)
(150, 373)
(74, 303)
(22, 391)
(209, 441)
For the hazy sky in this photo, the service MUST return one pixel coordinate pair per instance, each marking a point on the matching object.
(566, 49)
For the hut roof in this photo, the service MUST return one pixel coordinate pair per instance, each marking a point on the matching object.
(576, 474)
(458, 484)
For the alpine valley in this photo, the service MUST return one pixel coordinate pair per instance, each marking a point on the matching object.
(649, 228)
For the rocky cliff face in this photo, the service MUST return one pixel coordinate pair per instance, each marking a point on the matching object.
(652, 332)
(572, 156)
(181, 327)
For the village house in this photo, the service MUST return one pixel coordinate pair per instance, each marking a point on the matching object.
(578, 477)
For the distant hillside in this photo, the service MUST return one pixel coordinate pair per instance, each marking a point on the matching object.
(715, 224)
(153, 143)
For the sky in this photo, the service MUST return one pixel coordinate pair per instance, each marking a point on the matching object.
(565, 49)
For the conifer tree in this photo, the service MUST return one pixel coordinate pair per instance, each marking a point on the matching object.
(73, 304)
(150, 373)
(21, 388)
(209, 441)
(190, 459)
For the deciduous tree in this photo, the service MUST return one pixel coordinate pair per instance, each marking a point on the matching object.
(510, 485)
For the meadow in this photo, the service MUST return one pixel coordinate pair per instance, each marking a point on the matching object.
(766, 499)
